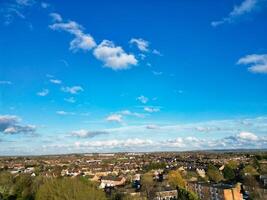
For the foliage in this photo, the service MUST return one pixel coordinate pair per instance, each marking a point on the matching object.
(191, 174)
(252, 185)
(175, 179)
(155, 165)
(228, 173)
(214, 174)
(6, 183)
(183, 194)
(148, 185)
(232, 164)
(250, 170)
(68, 189)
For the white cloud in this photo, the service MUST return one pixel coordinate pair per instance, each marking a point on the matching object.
(141, 44)
(73, 89)
(247, 136)
(43, 93)
(113, 56)
(151, 109)
(130, 113)
(114, 118)
(10, 124)
(12, 10)
(152, 126)
(245, 7)
(142, 99)
(45, 5)
(133, 142)
(5, 82)
(25, 2)
(61, 112)
(82, 133)
(156, 52)
(257, 62)
(70, 100)
(56, 17)
(157, 73)
(65, 62)
(49, 76)
(81, 41)
(55, 81)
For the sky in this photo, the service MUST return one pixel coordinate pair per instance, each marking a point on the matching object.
(132, 75)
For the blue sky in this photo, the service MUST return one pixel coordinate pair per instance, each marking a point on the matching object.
(133, 75)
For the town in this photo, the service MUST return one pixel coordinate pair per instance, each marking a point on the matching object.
(214, 175)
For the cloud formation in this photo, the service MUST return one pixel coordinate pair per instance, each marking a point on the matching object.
(114, 118)
(82, 133)
(142, 99)
(70, 100)
(257, 62)
(5, 82)
(55, 81)
(245, 7)
(130, 113)
(151, 109)
(81, 41)
(43, 93)
(141, 44)
(10, 124)
(114, 56)
(73, 89)
(13, 10)
(177, 144)
(62, 112)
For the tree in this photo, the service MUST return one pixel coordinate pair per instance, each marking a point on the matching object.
(23, 187)
(175, 179)
(250, 170)
(214, 174)
(232, 164)
(6, 184)
(148, 185)
(228, 173)
(183, 194)
(252, 185)
(68, 189)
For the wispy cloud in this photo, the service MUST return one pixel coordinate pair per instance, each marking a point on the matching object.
(56, 17)
(70, 100)
(81, 41)
(157, 73)
(25, 2)
(257, 62)
(5, 82)
(142, 99)
(245, 7)
(141, 44)
(82, 133)
(15, 10)
(55, 81)
(130, 113)
(45, 5)
(151, 109)
(61, 112)
(43, 93)
(156, 52)
(114, 118)
(73, 90)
